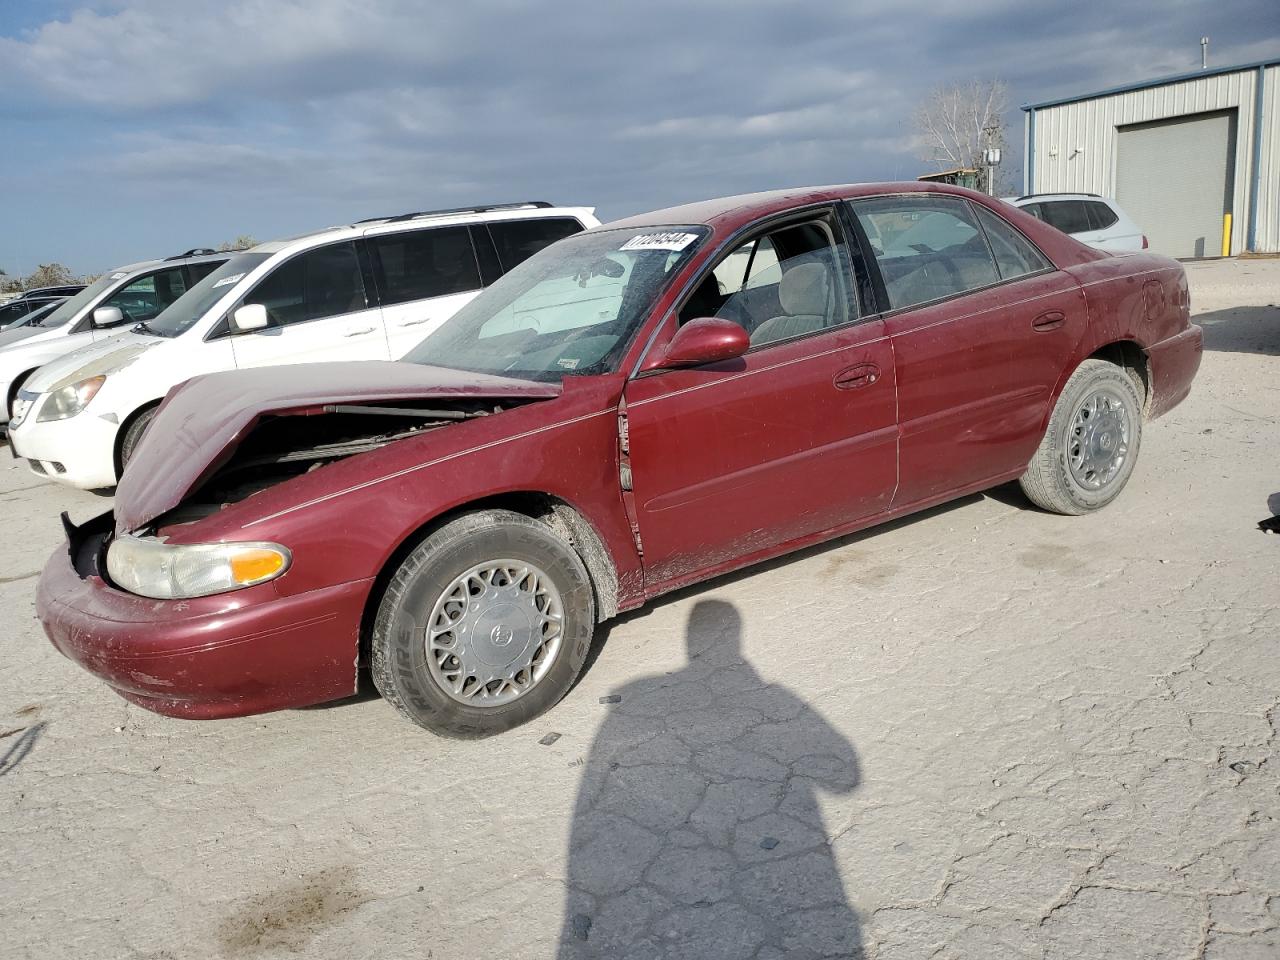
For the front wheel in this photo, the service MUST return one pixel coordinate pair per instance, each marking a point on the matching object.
(133, 435)
(1088, 453)
(484, 626)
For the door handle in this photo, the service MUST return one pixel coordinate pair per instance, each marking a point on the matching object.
(1051, 320)
(358, 333)
(414, 323)
(859, 375)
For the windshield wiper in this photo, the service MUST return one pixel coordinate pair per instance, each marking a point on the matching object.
(141, 327)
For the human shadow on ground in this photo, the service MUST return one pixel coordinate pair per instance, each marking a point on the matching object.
(697, 831)
(18, 750)
(1242, 330)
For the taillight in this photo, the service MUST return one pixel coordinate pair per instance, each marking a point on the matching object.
(1144, 241)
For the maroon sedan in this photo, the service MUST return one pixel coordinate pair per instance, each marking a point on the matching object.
(639, 407)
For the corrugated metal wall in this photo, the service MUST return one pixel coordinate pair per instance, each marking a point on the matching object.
(1269, 188)
(1076, 143)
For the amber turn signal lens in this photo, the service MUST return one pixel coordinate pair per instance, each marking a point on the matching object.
(251, 566)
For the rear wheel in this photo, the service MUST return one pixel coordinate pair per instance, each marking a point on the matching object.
(484, 626)
(1088, 453)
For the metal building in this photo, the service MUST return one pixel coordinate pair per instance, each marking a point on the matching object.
(1194, 158)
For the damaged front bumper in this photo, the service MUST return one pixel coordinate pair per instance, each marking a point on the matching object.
(227, 655)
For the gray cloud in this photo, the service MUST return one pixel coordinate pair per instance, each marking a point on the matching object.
(281, 115)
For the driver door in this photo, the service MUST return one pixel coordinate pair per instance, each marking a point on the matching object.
(733, 460)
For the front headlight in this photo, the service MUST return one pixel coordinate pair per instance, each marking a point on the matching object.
(70, 400)
(152, 568)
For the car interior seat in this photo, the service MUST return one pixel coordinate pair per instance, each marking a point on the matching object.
(804, 292)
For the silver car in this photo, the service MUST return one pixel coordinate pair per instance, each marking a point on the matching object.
(1090, 218)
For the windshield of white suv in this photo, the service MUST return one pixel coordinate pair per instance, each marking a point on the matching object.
(181, 315)
(70, 307)
(569, 310)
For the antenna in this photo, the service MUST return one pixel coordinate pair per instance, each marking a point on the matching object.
(1204, 53)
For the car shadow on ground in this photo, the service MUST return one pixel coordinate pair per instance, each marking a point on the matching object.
(1008, 494)
(697, 830)
(1242, 330)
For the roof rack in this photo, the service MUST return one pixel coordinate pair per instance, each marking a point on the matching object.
(1060, 193)
(486, 208)
(194, 252)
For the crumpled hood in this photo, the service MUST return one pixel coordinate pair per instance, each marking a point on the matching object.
(202, 421)
(101, 357)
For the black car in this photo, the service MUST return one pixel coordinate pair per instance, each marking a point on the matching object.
(33, 299)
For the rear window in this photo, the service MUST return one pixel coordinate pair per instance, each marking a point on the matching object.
(518, 240)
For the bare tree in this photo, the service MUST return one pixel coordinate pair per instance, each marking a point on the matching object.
(242, 242)
(958, 122)
(45, 275)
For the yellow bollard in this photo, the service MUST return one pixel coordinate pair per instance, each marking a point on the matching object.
(1226, 234)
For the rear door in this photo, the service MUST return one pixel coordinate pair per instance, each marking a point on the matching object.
(733, 459)
(982, 327)
(318, 308)
(424, 277)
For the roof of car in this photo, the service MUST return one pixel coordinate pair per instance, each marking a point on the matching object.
(180, 258)
(54, 289)
(1028, 197)
(481, 213)
(729, 213)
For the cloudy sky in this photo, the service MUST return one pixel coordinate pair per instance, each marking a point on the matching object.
(138, 129)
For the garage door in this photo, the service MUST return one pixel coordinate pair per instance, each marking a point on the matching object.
(1173, 178)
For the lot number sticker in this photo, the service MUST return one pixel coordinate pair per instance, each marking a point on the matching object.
(659, 241)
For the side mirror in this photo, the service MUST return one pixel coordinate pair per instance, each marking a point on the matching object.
(703, 340)
(107, 317)
(250, 317)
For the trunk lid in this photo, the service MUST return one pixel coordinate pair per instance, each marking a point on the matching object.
(203, 421)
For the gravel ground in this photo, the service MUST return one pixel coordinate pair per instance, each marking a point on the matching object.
(981, 732)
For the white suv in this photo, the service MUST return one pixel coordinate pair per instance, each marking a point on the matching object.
(368, 291)
(124, 296)
(1097, 221)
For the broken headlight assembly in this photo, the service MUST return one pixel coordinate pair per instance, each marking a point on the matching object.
(67, 401)
(150, 567)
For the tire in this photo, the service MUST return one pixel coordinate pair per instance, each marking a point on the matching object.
(420, 610)
(133, 435)
(12, 400)
(1059, 477)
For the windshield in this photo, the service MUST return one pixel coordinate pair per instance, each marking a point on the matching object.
(70, 307)
(571, 309)
(181, 315)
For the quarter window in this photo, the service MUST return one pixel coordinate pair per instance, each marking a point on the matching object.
(928, 248)
(324, 282)
(518, 240)
(421, 264)
(1101, 216)
(1015, 255)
